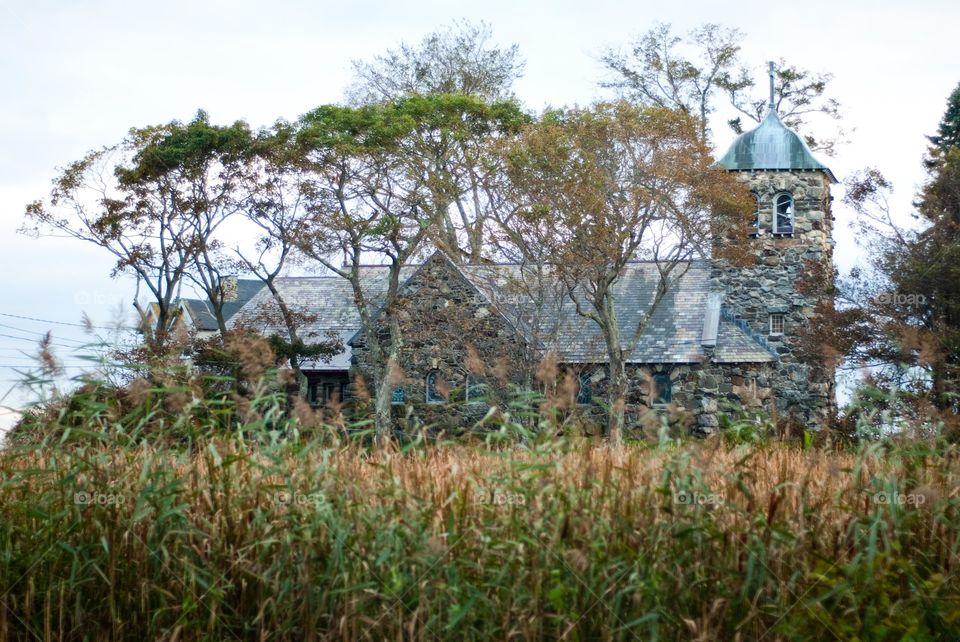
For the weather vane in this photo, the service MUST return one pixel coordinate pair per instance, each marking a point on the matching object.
(770, 72)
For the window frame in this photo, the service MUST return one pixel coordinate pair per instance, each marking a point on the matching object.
(431, 394)
(320, 392)
(402, 400)
(782, 321)
(584, 393)
(792, 213)
(331, 388)
(479, 388)
(657, 400)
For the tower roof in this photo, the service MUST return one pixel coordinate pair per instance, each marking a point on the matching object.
(772, 146)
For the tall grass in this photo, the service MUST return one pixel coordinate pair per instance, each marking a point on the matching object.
(162, 511)
(575, 541)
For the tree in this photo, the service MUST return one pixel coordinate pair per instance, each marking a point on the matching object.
(658, 70)
(459, 59)
(886, 325)
(656, 73)
(908, 297)
(948, 133)
(536, 296)
(613, 184)
(452, 145)
(153, 201)
(276, 202)
(798, 94)
(931, 266)
(475, 78)
(370, 198)
(869, 320)
(211, 163)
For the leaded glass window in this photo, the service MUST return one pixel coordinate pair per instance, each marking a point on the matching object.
(434, 394)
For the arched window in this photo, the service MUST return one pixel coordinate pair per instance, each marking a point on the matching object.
(434, 394)
(476, 390)
(584, 396)
(783, 214)
(662, 389)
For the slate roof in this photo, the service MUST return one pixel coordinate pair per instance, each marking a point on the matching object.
(201, 312)
(734, 345)
(673, 334)
(326, 302)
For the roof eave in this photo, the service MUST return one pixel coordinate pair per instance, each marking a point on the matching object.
(826, 170)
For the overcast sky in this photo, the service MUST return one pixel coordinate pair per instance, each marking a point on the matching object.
(76, 75)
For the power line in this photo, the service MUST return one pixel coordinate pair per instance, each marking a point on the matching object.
(53, 343)
(28, 360)
(75, 325)
(21, 365)
(37, 364)
(70, 359)
(43, 334)
(19, 329)
(24, 350)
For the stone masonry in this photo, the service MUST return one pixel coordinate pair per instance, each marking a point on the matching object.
(803, 387)
(728, 334)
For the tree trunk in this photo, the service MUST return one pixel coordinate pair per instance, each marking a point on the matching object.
(617, 397)
(383, 419)
(617, 388)
(291, 326)
(221, 322)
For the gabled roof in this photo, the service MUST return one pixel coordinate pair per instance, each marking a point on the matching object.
(327, 302)
(772, 146)
(201, 311)
(673, 335)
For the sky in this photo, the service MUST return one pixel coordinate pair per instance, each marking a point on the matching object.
(76, 75)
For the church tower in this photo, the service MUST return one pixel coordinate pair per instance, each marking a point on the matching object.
(791, 243)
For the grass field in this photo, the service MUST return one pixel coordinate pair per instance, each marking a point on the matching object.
(567, 539)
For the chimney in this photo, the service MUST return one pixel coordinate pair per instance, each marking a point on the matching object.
(228, 288)
(711, 320)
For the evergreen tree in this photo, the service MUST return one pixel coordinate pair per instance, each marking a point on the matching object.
(930, 267)
(903, 320)
(948, 134)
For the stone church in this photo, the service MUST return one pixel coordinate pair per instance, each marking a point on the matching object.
(723, 335)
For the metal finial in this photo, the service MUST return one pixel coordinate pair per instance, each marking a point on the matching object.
(771, 72)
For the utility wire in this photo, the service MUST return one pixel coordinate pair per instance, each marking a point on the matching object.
(70, 360)
(43, 334)
(21, 365)
(53, 343)
(27, 330)
(75, 325)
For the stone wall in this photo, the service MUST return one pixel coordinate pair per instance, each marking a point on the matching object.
(700, 392)
(779, 283)
(449, 329)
